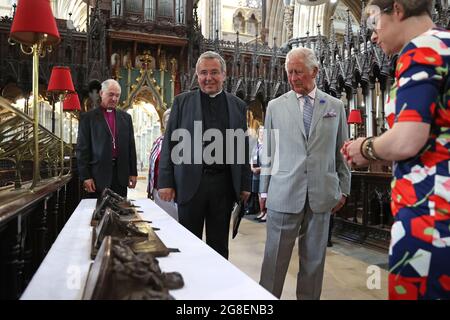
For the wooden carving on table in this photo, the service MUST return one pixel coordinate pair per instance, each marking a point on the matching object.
(136, 234)
(119, 273)
(110, 199)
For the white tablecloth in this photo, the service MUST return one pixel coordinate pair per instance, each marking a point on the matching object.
(207, 275)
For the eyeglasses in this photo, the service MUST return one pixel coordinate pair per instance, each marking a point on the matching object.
(375, 13)
(213, 73)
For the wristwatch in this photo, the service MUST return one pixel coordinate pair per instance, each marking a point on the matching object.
(368, 151)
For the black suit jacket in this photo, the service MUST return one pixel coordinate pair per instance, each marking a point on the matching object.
(94, 148)
(185, 178)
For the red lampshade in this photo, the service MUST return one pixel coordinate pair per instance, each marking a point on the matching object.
(32, 19)
(355, 117)
(60, 80)
(72, 102)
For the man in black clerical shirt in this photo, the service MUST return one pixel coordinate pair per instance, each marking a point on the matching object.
(205, 190)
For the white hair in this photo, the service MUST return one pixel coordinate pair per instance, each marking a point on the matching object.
(308, 55)
(107, 83)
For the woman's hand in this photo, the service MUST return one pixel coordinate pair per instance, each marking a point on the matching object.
(351, 150)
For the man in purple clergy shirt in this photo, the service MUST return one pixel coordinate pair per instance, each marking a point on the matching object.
(106, 152)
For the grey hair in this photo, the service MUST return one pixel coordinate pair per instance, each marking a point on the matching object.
(107, 83)
(309, 56)
(212, 55)
(412, 8)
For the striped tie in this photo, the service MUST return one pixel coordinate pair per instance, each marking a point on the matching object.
(307, 114)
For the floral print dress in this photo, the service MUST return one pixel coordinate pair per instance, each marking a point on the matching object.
(419, 254)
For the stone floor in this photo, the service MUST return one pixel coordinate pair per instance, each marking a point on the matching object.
(352, 272)
(346, 265)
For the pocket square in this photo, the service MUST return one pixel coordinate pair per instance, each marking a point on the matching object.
(330, 114)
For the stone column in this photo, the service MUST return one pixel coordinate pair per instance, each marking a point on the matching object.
(289, 21)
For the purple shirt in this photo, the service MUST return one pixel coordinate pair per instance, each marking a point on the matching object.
(110, 117)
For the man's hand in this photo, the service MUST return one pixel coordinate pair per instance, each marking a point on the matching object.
(244, 196)
(132, 182)
(339, 205)
(89, 185)
(167, 194)
(256, 171)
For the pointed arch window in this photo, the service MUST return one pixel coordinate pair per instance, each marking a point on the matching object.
(239, 23)
(252, 25)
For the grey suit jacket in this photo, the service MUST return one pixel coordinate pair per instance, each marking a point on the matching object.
(94, 148)
(185, 177)
(299, 166)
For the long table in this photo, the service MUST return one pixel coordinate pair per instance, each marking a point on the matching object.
(207, 275)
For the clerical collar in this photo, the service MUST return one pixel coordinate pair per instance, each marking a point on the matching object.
(215, 95)
(108, 109)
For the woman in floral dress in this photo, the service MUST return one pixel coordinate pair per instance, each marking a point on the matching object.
(418, 113)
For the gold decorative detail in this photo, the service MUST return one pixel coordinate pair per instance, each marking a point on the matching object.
(174, 68)
(147, 61)
(162, 61)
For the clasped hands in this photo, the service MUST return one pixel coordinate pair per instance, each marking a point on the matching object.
(351, 151)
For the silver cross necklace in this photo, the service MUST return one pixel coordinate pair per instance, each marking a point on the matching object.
(112, 134)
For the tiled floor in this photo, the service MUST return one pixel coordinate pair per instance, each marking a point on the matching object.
(350, 269)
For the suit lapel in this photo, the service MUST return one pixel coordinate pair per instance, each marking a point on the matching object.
(100, 119)
(232, 115)
(198, 115)
(320, 104)
(294, 108)
(120, 125)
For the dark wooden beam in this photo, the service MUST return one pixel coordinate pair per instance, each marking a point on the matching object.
(147, 38)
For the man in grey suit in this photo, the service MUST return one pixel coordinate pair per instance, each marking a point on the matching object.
(303, 177)
(106, 152)
(206, 190)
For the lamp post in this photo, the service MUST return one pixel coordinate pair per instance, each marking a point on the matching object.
(60, 84)
(355, 118)
(34, 27)
(72, 103)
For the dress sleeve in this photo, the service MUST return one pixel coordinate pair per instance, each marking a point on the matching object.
(419, 75)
